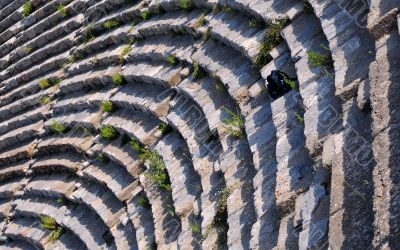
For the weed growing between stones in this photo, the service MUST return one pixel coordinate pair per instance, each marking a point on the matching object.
(156, 171)
(110, 24)
(254, 23)
(299, 118)
(44, 83)
(90, 34)
(165, 128)
(58, 127)
(235, 124)
(45, 100)
(27, 49)
(272, 39)
(317, 59)
(118, 79)
(195, 227)
(198, 72)
(56, 230)
(108, 132)
(207, 35)
(172, 59)
(146, 15)
(143, 201)
(102, 157)
(291, 84)
(61, 9)
(125, 51)
(60, 200)
(27, 8)
(200, 22)
(186, 5)
(108, 106)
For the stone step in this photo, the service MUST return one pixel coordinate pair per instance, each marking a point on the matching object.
(17, 245)
(78, 220)
(5, 208)
(235, 71)
(185, 182)
(135, 124)
(97, 8)
(187, 118)
(58, 163)
(140, 214)
(110, 56)
(17, 26)
(160, 47)
(113, 37)
(38, 56)
(128, 13)
(11, 12)
(141, 96)
(81, 100)
(167, 224)
(27, 118)
(122, 154)
(38, 43)
(10, 188)
(39, 24)
(384, 80)
(20, 135)
(77, 141)
(212, 101)
(350, 44)
(53, 63)
(30, 230)
(294, 166)
(234, 30)
(17, 152)
(4, 3)
(27, 89)
(90, 118)
(94, 79)
(115, 177)
(96, 197)
(322, 110)
(14, 170)
(153, 73)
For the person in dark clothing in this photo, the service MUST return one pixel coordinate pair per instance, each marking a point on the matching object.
(277, 83)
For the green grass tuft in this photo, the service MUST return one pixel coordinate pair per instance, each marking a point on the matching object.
(56, 230)
(207, 35)
(62, 10)
(44, 83)
(108, 132)
(272, 39)
(195, 227)
(125, 51)
(118, 79)
(146, 15)
(186, 5)
(317, 59)
(172, 59)
(165, 128)
(156, 171)
(198, 72)
(108, 106)
(254, 23)
(200, 22)
(143, 201)
(45, 100)
(58, 127)
(235, 123)
(299, 118)
(27, 8)
(109, 24)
